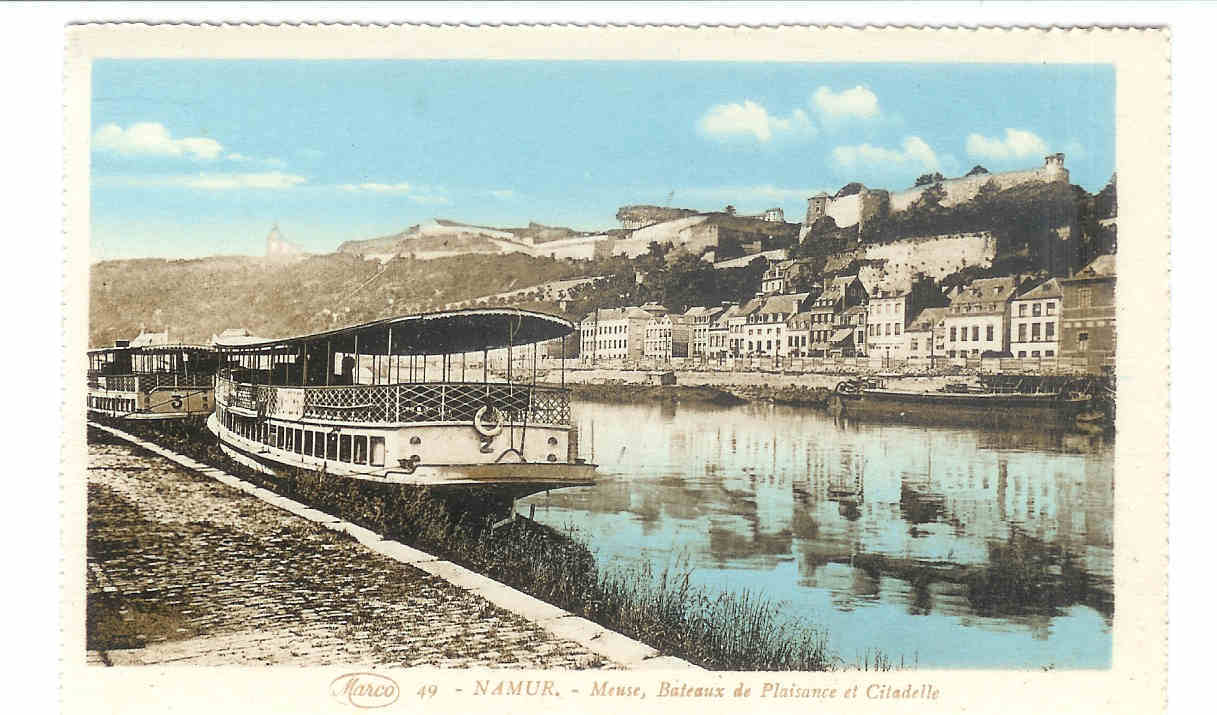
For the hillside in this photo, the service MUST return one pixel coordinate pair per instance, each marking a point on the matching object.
(443, 237)
(200, 297)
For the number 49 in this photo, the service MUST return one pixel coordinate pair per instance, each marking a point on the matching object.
(427, 691)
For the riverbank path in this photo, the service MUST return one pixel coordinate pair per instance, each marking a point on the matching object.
(183, 569)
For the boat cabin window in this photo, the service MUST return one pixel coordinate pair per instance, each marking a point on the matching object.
(378, 451)
(319, 444)
(299, 441)
(344, 448)
(308, 442)
(289, 440)
(361, 449)
(331, 446)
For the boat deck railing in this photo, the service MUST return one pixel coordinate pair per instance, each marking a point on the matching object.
(411, 402)
(148, 381)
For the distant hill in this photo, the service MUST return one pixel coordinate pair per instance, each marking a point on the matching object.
(441, 238)
(197, 298)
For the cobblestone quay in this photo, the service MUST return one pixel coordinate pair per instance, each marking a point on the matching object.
(183, 569)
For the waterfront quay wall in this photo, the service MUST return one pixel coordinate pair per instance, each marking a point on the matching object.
(808, 371)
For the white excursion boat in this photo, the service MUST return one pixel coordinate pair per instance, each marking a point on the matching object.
(358, 402)
(151, 382)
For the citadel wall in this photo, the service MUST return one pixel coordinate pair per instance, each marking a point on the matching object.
(934, 256)
(965, 188)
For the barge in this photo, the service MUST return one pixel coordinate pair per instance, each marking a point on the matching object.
(996, 400)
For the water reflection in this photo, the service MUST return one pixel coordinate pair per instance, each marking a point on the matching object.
(957, 547)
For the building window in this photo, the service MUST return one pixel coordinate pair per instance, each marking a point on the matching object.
(1049, 353)
(1083, 342)
(1049, 330)
(989, 333)
(1022, 310)
(1035, 353)
(952, 340)
(975, 333)
(1083, 298)
(1022, 353)
(1035, 311)
(1050, 307)
(1035, 331)
(887, 328)
(1022, 332)
(897, 327)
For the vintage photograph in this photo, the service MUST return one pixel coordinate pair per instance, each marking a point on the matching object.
(585, 364)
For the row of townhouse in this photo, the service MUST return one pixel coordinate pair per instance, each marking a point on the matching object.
(613, 334)
(1070, 317)
(1005, 316)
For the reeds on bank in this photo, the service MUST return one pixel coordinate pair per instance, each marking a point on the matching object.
(660, 607)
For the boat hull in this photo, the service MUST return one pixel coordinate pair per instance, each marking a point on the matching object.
(160, 403)
(958, 408)
(517, 478)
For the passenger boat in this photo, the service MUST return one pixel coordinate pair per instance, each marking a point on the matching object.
(361, 402)
(997, 399)
(151, 382)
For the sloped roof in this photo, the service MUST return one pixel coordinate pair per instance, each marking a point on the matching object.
(721, 319)
(986, 290)
(604, 314)
(927, 319)
(1050, 288)
(750, 307)
(1102, 266)
(787, 303)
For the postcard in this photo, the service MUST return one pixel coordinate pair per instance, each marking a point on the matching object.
(555, 368)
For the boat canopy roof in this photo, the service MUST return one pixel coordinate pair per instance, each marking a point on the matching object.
(441, 333)
(152, 349)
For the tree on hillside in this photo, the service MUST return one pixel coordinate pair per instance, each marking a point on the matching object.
(849, 189)
(978, 169)
(926, 179)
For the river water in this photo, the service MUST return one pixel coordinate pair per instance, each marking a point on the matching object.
(941, 547)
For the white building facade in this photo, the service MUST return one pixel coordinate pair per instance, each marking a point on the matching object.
(1035, 321)
(977, 318)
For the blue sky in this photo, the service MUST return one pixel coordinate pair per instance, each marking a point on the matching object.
(193, 158)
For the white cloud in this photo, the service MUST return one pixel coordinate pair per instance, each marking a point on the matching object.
(262, 180)
(273, 163)
(210, 181)
(736, 119)
(417, 194)
(153, 139)
(400, 188)
(1018, 144)
(914, 151)
(857, 102)
(502, 194)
